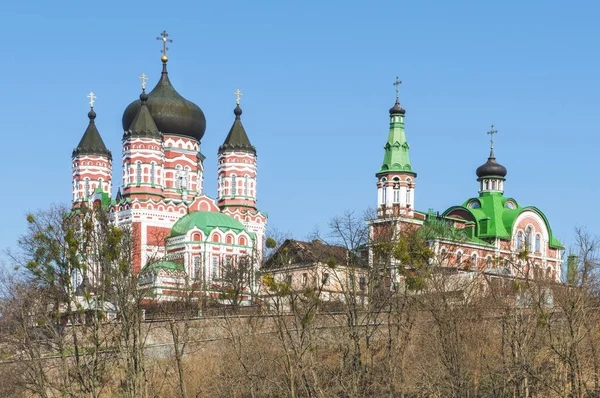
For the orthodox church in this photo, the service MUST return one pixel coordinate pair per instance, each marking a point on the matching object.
(488, 232)
(179, 233)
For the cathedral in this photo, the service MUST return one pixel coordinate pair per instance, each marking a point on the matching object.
(489, 232)
(178, 232)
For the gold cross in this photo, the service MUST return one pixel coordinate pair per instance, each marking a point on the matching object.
(163, 37)
(491, 133)
(239, 94)
(397, 84)
(92, 97)
(144, 79)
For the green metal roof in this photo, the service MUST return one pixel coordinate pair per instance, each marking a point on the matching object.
(495, 221)
(396, 148)
(206, 221)
(157, 266)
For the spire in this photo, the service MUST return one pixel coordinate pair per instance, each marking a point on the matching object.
(396, 157)
(143, 124)
(237, 139)
(91, 143)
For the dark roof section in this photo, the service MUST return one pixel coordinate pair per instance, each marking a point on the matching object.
(237, 139)
(172, 113)
(397, 109)
(491, 168)
(84, 287)
(143, 125)
(295, 252)
(91, 143)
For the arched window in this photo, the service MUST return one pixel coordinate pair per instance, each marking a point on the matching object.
(138, 172)
(86, 188)
(485, 185)
(488, 262)
(519, 240)
(537, 243)
(528, 238)
(494, 185)
(383, 193)
(186, 177)
(396, 194)
(444, 255)
(233, 185)
(474, 260)
(178, 177)
(246, 186)
(197, 269)
(408, 196)
(152, 172)
(459, 258)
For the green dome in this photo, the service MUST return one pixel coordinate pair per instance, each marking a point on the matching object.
(206, 221)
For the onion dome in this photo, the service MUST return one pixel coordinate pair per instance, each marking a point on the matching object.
(397, 109)
(143, 124)
(91, 143)
(237, 139)
(491, 168)
(172, 113)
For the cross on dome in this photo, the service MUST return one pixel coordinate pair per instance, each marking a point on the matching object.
(491, 133)
(144, 79)
(397, 83)
(238, 94)
(164, 38)
(92, 97)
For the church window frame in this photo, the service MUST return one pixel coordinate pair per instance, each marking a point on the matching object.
(443, 255)
(214, 267)
(86, 187)
(152, 173)
(178, 176)
(408, 195)
(383, 193)
(474, 260)
(520, 240)
(246, 178)
(488, 261)
(185, 183)
(138, 172)
(493, 185)
(233, 185)
(538, 245)
(459, 255)
(528, 234)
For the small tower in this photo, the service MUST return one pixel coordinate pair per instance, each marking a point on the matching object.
(396, 178)
(491, 174)
(92, 163)
(143, 154)
(236, 174)
(237, 167)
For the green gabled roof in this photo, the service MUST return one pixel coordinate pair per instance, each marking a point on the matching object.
(237, 139)
(495, 221)
(104, 197)
(206, 221)
(156, 266)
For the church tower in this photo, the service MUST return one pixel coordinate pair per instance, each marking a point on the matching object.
(143, 155)
(236, 175)
(92, 163)
(396, 178)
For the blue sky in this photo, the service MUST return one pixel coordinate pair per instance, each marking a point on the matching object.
(317, 81)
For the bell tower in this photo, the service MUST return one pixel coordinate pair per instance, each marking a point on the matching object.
(92, 163)
(396, 178)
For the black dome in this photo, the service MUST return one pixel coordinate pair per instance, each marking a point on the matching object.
(491, 168)
(397, 109)
(172, 113)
